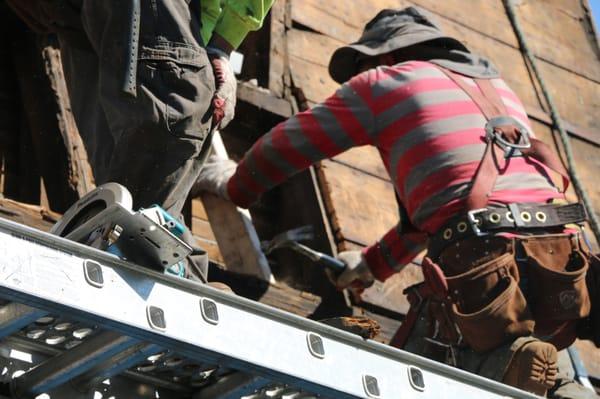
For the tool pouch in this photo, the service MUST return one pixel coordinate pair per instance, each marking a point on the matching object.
(589, 327)
(557, 269)
(488, 305)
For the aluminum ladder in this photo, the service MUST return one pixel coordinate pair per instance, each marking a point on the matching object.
(76, 322)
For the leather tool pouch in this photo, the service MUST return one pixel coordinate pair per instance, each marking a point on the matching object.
(589, 328)
(557, 271)
(488, 305)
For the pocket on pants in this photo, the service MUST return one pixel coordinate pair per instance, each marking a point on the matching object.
(557, 271)
(488, 305)
(176, 86)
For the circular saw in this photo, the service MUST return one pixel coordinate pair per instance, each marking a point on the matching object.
(104, 219)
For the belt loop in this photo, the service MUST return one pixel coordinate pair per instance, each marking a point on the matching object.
(516, 214)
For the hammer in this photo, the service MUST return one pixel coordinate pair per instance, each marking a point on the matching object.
(289, 239)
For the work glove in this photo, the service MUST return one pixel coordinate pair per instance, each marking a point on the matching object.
(214, 176)
(357, 275)
(225, 88)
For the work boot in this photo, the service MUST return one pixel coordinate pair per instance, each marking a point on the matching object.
(533, 366)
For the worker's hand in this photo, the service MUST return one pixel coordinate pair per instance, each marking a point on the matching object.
(357, 274)
(225, 84)
(214, 177)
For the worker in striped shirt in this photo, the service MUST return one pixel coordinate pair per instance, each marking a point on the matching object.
(457, 144)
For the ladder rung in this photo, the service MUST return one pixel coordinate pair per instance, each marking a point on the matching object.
(69, 364)
(233, 386)
(14, 316)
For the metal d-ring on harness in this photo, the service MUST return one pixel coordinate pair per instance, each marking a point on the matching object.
(495, 135)
(506, 137)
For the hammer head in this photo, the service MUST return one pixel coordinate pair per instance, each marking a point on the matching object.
(288, 238)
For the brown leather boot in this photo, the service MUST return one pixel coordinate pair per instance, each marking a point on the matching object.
(533, 366)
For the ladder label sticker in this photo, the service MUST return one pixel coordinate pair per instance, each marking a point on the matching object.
(156, 318)
(315, 345)
(209, 310)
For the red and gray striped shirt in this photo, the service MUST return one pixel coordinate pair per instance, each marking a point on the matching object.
(430, 136)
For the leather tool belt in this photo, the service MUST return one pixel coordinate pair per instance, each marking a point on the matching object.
(512, 217)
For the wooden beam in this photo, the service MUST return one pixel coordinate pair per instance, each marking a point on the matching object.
(264, 99)
(234, 231)
(80, 176)
(591, 136)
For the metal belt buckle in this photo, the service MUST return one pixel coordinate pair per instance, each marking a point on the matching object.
(472, 217)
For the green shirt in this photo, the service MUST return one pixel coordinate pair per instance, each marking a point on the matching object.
(232, 19)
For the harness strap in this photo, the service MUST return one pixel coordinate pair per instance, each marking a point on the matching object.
(489, 102)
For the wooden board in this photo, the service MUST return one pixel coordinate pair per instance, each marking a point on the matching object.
(361, 207)
(577, 98)
(558, 32)
(310, 53)
(29, 215)
(366, 159)
(488, 18)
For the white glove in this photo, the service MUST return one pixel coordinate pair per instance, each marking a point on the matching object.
(357, 273)
(214, 176)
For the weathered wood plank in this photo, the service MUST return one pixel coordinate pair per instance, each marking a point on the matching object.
(212, 249)
(577, 98)
(310, 53)
(198, 210)
(308, 68)
(201, 228)
(277, 48)
(556, 32)
(29, 215)
(361, 207)
(263, 99)
(81, 177)
(234, 231)
(488, 18)
(366, 159)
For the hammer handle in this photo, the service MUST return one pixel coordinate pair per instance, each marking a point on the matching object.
(333, 264)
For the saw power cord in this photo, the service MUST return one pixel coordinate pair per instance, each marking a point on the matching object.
(556, 120)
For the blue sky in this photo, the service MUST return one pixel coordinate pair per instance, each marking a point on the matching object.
(595, 4)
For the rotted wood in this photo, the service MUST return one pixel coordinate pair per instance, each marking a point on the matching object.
(29, 215)
(81, 177)
(47, 119)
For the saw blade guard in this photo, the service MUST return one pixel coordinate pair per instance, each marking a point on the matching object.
(93, 203)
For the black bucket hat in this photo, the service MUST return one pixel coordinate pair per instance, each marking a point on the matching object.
(390, 30)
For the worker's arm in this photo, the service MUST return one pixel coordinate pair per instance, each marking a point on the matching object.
(394, 251)
(343, 121)
(231, 20)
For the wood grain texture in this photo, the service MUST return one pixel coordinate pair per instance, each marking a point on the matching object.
(29, 215)
(361, 207)
(310, 53)
(366, 159)
(232, 230)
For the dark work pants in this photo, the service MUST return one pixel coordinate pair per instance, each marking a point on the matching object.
(144, 116)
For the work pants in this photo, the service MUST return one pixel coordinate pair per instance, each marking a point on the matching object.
(140, 86)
